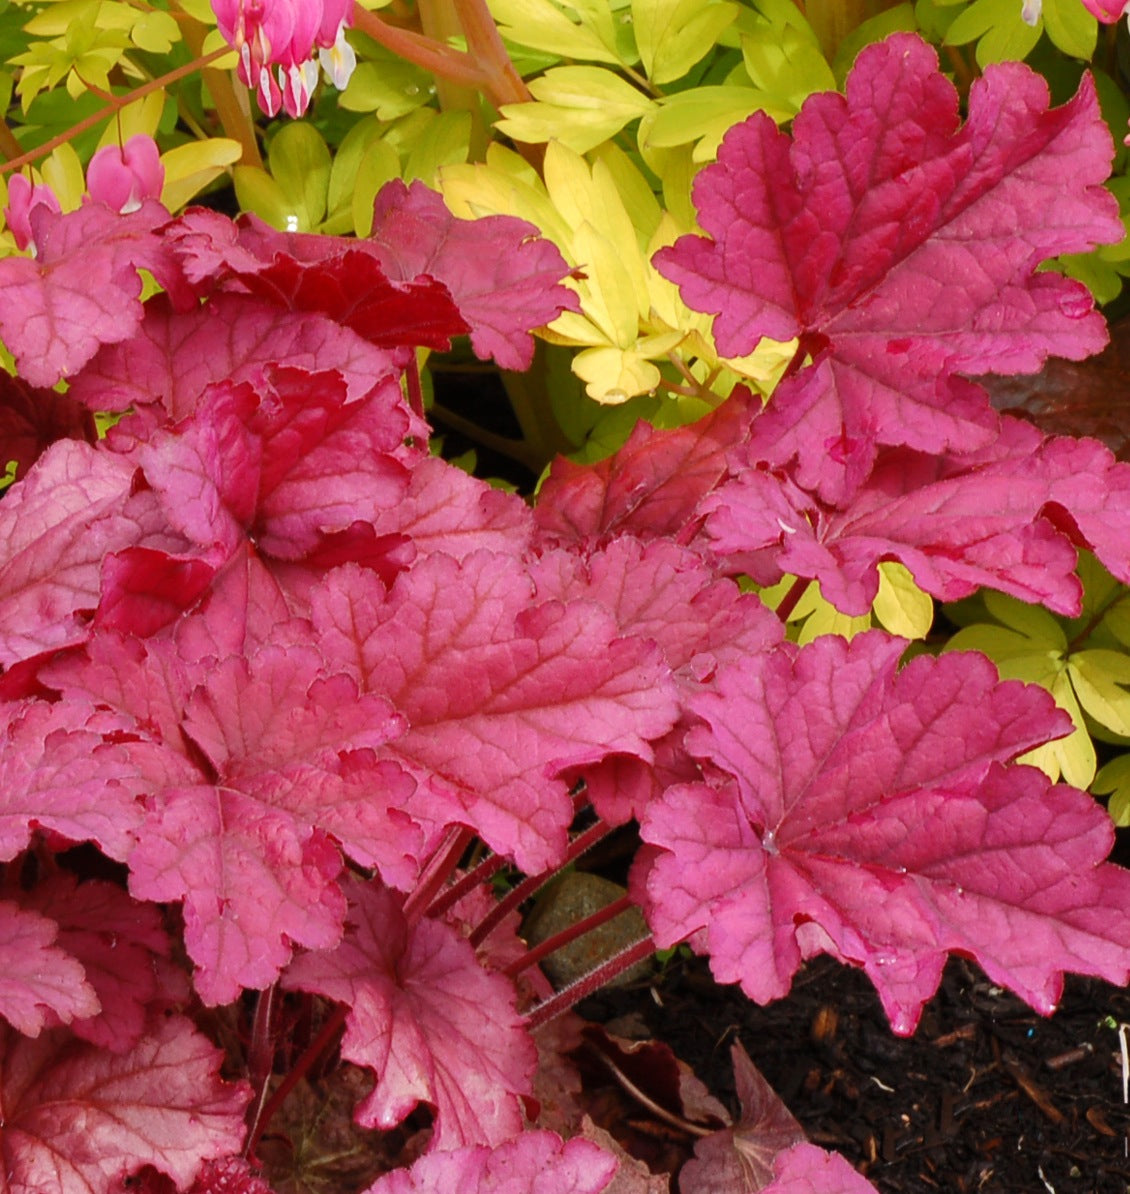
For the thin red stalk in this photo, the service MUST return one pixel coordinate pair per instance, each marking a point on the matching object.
(451, 896)
(432, 55)
(437, 871)
(522, 892)
(261, 1054)
(790, 599)
(415, 393)
(595, 979)
(585, 925)
(310, 1055)
(41, 151)
(505, 85)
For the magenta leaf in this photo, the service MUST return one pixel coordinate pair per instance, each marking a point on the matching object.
(500, 694)
(993, 518)
(83, 288)
(258, 772)
(741, 1159)
(446, 510)
(59, 773)
(901, 249)
(866, 813)
(333, 276)
(40, 983)
(650, 488)
(533, 1163)
(123, 949)
(283, 462)
(56, 526)
(806, 1169)
(79, 1119)
(659, 590)
(176, 355)
(428, 1019)
(502, 274)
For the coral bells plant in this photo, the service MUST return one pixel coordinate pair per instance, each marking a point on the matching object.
(285, 695)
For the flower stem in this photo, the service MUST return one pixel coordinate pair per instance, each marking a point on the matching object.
(571, 995)
(436, 872)
(789, 602)
(433, 56)
(301, 1067)
(451, 896)
(522, 892)
(585, 925)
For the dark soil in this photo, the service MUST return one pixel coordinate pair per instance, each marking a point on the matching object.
(986, 1096)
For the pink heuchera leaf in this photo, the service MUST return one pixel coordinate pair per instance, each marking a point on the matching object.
(993, 518)
(40, 983)
(659, 590)
(283, 462)
(741, 1159)
(56, 525)
(956, 522)
(58, 773)
(79, 1119)
(667, 593)
(502, 274)
(255, 770)
(428, 1019)
(176, 355)
(865, 812)
(82, 289)
(533, 1163)
(123, 949)
(446, 510)
(500, 695)
(901, 249)
(333, 276)
(650, 488)
(806, 1169)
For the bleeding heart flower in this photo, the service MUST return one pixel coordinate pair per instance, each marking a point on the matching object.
(123, 177)
(286, 34)
(23, 200)
(1108, 11)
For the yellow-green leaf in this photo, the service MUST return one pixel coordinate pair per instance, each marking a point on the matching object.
(258, 192)
(581, 106)
(1097, 676)
(445, 141)
(541, 25)
(1071, 758)
(701, 116)
(299, 161)
(1071, 27)
(380, 164)
(1032, 621)
(786, 65)
(189, 168)
(1113, 779)
(900, 605)
(672, 35)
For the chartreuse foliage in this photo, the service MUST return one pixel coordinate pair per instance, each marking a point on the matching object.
(290, 674)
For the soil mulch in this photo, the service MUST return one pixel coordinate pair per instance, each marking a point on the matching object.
(986, 1096)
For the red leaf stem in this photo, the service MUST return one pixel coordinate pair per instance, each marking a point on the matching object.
(571, 995)
(551, 944)
(436, 872)
(522, 892)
